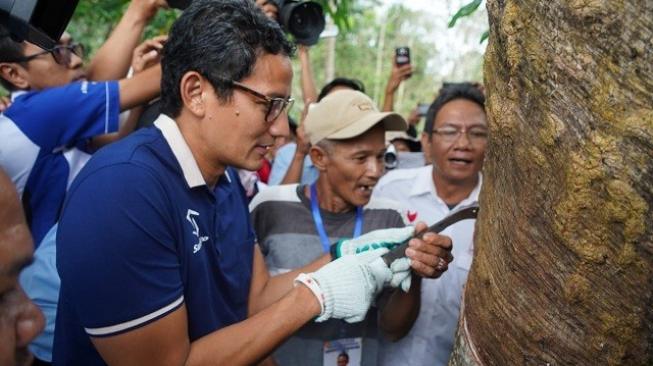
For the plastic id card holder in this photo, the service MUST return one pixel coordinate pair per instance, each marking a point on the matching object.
(343, 352)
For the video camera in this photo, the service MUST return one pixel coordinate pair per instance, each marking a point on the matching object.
(304, 20)
(41, 22)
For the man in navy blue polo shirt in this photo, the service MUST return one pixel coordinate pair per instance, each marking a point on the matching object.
(155, 250)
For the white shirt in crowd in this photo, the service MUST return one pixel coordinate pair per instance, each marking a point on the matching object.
(430, 341)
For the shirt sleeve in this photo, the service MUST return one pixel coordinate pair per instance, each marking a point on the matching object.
(65, 115)
(281, 163)
(116, 250)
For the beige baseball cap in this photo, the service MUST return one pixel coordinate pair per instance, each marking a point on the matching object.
(345, 114)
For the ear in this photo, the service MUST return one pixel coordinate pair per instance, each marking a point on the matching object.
(319, 157)
(14, 74)
(192, 88)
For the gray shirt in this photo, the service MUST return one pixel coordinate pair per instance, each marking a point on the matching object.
(286, 233)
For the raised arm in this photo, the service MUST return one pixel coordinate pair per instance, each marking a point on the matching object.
(309, 93)
(145, 56)
(112, 60)
(140, 88)
(397, 76)
(296, 168)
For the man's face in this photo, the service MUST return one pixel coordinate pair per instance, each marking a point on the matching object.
(354, 166)
(44, 72)
(342, 361)
(236, 132)
(460, 160)
(20, 320)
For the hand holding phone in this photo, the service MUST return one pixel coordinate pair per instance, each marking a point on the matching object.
(402, 56)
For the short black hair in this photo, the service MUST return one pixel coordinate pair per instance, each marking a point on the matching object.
(343, 354)
(450, 91)
(221, 40)
(9, 50)
(349, 83)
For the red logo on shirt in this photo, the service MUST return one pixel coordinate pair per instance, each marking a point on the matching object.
(411, 215)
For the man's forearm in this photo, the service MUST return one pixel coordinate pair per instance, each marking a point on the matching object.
(399, 312)
(141, 88)
(278, 286)
(309, 93)
(388, 101)
(124, 129)
(112, 60)
(249, 341)
(295, 170)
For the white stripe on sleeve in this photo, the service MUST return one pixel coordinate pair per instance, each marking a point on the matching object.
(104, 331)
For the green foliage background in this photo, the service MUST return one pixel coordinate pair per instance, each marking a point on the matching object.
(360, 51)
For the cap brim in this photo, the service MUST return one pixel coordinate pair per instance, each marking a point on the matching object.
(391, 121)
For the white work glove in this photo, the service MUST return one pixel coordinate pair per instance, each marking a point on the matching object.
(347, 286)
(401, 274)
(384, 238)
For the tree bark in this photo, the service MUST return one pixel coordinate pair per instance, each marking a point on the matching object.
(563, 269)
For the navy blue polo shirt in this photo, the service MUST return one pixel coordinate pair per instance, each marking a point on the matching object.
(141, 234)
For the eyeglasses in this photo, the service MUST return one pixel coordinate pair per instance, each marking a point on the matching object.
(275, 106)
(450, 134)
(62, 54)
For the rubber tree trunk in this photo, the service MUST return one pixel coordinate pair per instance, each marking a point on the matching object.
(563, 269)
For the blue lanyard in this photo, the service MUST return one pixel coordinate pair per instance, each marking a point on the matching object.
(319, 224)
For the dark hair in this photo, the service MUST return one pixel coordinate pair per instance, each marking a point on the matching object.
(449, 92)
(343, 354)
(221, 40)
(9, 50)
(349, 83)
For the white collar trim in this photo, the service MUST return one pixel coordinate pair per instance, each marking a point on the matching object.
(424, 184)
(182, 152)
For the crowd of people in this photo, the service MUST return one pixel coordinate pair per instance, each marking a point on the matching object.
(160, 207)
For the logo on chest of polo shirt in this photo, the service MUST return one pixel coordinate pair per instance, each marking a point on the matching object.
(411, 215)
(190, 216)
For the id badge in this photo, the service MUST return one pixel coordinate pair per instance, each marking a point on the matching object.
(343, 352)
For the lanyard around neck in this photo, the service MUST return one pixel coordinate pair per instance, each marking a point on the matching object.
(319, 224)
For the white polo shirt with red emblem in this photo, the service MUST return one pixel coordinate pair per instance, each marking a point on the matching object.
(430, 341)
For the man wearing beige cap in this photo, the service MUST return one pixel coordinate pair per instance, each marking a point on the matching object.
(295, 224)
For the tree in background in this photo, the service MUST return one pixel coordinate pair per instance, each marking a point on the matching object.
(563, 269)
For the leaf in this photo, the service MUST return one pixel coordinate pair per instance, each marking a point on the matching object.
(464, 11)
(484, 36)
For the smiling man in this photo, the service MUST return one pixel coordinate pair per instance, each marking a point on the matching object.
(295, 224)
(155, 250)
(455, 137)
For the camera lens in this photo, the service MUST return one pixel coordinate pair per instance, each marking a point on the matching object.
(303, 19)
(390, 157)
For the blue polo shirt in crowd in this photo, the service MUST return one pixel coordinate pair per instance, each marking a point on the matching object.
(44, 138)
(141, 234)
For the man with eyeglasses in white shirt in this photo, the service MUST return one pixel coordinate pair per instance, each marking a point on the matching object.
(455, 139)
